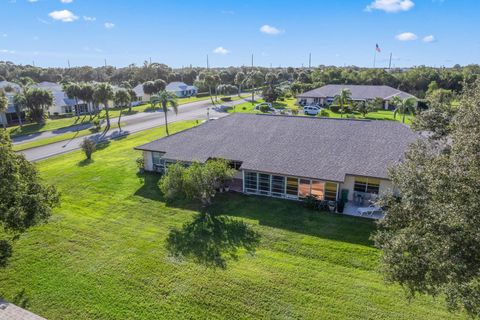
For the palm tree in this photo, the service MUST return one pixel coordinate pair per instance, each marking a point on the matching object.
(364, 107)
(343, 99)
(122, 99)
(166, 99)
(38, 101)
(254, 79)
(210, 82)
(73, 90)
(104, 93)
(86, 95)
(403, 106)
(3, 106)
(19, 103)
(239, 79)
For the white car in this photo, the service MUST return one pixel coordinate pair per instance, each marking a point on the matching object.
(370, 210)
(311, 110)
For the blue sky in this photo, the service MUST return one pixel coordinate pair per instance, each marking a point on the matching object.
(281, 32)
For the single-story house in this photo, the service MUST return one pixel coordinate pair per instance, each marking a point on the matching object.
(292, 157)
(61, 103)
(325, 95)
(10, 115)
(180, 89)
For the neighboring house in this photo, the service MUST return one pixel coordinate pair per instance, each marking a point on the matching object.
(292, 157)
(10, 116)
(61, 103)
(181, 89)
(326, 94)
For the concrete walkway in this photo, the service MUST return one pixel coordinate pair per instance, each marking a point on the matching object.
(10, 311)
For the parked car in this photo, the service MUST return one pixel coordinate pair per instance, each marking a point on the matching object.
(311, 110)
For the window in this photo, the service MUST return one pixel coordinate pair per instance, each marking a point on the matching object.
(158, 162)
(292, 186)
(235, 165)
(264, 183)
(251, 182)
(278, 186)
(317, 189)
(304, 188)
(368, 185)
(331, 191)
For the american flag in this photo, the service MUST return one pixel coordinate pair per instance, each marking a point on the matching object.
(377, 48)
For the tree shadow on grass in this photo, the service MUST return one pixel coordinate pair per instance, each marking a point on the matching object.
(5, 252)
(85, 162)
(212, 240)
(21, 299)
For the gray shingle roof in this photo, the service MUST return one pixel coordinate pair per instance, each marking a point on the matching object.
(320, 148)
(359, 92)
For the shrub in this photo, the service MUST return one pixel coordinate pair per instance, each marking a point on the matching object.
(264, 108)
(140, 163)
(335, 109)
(226, 98)
(311, 202)
(88, 146)
(244, 108)
(295, 110)
(324, 113)
(96, 126)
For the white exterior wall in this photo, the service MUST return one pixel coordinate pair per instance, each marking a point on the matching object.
(385, 186)
(148, 160)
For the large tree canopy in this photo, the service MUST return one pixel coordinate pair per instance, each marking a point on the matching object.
(430, 235)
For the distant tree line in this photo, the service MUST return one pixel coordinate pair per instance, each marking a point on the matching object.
(413, 80)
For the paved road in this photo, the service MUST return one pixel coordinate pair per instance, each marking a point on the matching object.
(135, 123)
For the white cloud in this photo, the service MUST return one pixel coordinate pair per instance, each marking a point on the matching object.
(87, 18)
(390, 6)
(7, 51)
(3, 35)
(32, 1)
(429, 39)
(221, 50)
(109, 25)
(66, 1)
(269, 29)
(63, 15)
(406, 36)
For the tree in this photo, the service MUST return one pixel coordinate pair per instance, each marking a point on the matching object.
(38, 101)
(239, 79)
(166, 99)
(122, 99)
(343, 99)
(271, 93)
(149, 88)
(364, 107)
(19, 103)
(73, 91)
(25, 200)
(210, 81)
(86, 95)
(429, 236)
(160, 85)
(88, 146)
(403, 106)
(3, 105)
(197, 182)
(103, 94)
(133, 97)
(254, 79)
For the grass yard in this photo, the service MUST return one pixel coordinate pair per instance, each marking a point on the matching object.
(248, 107)
(103, 254)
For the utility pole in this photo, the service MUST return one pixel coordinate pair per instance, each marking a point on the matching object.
(390, 62)
(150, 59)
(208, 65)
(309, 60)
(68, 63)
(33, 63)
(105, 63)
(252, 60)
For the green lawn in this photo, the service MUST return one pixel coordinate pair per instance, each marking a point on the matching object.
(103, 255)
(248, 107)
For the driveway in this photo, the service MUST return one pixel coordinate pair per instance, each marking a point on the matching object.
(135, 123)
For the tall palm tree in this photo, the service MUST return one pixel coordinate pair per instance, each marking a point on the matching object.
(73, 90)
(19, 103)
(403, 106)
(166, 99)
(86, 95)
(239, 79)
(122, 99)
(103, 94)
(343, 99)
(3, 106)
